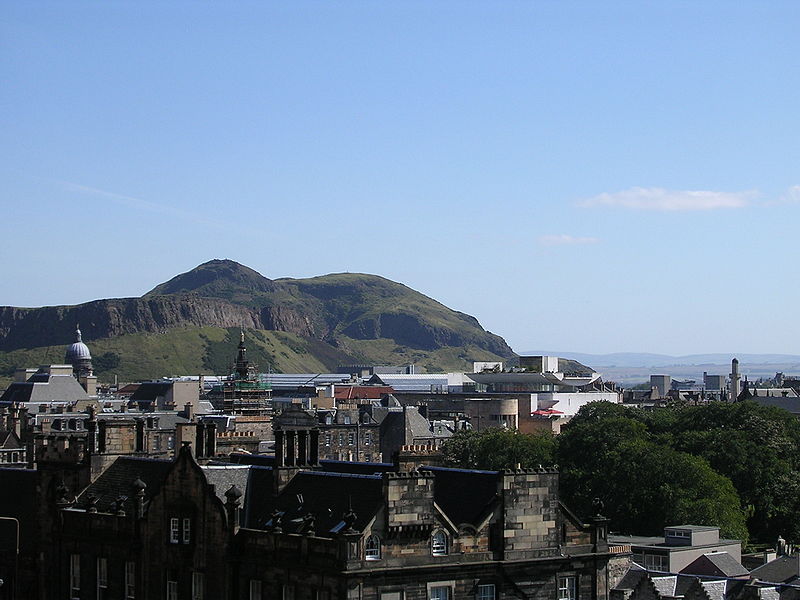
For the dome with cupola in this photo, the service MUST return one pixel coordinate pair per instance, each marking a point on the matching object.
(78, 356)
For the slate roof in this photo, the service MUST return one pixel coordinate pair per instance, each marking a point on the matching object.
(223, 477)
(43, 388)
(261, 460)
(631, 578)
(356, 468)
(116, 480)
(464, 495)
(150, 390)
(260, 486)
(719, 564)
(9, 440)
(672, 585)
(326, 496)
(784, 569)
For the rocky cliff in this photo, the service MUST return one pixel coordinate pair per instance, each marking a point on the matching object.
(334, 309)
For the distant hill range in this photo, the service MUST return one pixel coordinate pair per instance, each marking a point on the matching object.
(631, 368)
(190, 325)
(640, 359)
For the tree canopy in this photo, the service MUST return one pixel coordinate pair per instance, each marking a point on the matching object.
(735, 465)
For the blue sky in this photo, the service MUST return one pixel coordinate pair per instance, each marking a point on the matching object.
(584, 176)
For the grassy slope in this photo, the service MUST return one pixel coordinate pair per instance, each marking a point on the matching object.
(211, 350)
(189, 351)
(387, 352)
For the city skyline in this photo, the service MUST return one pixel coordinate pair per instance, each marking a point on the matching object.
(592, 178)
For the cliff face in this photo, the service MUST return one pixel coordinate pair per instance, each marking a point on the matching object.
(222, 293)
(51, 325)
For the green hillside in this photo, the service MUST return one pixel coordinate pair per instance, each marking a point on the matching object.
(211, 350)
(190, 324)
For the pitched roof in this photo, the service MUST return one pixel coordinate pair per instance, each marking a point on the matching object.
(222, 477)
(326, 497)
(464, 495)
(719, 564)
(784, 569)
(150, 390)
(117, 479)
(43, 388)
(9, 440)
(260, 488)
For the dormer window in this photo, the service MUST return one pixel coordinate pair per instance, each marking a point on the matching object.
(439, 543)
(372, 548)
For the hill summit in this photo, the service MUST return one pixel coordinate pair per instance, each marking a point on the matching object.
(296, 325)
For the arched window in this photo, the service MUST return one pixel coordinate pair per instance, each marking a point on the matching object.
(439, 543)
(372, 548)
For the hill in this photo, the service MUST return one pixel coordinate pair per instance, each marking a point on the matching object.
(190, 324)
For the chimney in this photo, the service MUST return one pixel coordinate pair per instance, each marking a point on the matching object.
(211, 440)
(188, 411)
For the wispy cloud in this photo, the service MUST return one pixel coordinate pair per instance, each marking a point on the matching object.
(659, 199)
(564, 239)
(791, 196)
(136, 203)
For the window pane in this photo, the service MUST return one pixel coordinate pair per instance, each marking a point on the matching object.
(486, 592)
(255, 589)
(74, 575)
(567, 587)
(372, 548)
(439, 544)
(440, 592)
(174, 530)
(197, 586)
(130, 580)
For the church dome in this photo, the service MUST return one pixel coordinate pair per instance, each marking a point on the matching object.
(77, 351)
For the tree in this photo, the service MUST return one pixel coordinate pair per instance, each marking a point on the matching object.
(607, 453)
(498, 448)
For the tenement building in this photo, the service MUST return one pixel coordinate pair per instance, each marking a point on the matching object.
(168, 529)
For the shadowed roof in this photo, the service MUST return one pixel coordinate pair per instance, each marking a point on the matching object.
(325, 496)
(117, 479)
(464, 495)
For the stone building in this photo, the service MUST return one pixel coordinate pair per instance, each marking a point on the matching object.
(262, 528)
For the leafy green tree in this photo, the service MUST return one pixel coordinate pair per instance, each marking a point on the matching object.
(607, 453)
(496, 449)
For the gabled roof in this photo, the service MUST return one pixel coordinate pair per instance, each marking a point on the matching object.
(326, 497)
(670, 586)
(117, 479)
(784, 569)
(222, 477)
(9, 440)
(716, 564)
(465, 496)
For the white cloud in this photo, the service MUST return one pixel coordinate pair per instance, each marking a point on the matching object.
(564, 239)
(791, 196)
(137, 203)
(670, 200)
